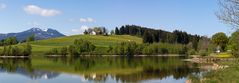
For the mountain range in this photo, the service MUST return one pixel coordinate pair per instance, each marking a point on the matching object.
(39, 34)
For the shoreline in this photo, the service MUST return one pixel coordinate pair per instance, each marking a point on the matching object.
(168, 55)
(14, 56)
(208, 59)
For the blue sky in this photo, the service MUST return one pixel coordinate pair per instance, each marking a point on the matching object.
(72, 16)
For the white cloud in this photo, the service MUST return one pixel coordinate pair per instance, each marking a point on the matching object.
(80, 30)
(87, 19)
(36, 10)
(2, 6)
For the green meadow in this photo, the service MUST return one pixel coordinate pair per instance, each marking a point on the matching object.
(101, 42)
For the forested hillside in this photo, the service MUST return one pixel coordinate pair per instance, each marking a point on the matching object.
(152, 35)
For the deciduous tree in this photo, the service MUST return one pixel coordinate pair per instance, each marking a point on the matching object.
(220, 39)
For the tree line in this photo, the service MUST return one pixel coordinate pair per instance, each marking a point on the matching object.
(8, 41)
(13, 40)
(228, 13)
(24, 50)
(156, 36)
(183, 42)
(223, 43)
(130, 48)
(10, 48)
(80, 47)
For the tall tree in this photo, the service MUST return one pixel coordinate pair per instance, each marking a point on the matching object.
(122, 30)
(220, 39)
(147, 37)
(86, 32)
(234, 43)
(104, 31)
(117, 31)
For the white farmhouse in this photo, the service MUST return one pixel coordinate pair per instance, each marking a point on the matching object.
(92, 33)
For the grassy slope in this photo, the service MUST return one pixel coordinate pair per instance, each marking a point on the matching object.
(41, 46)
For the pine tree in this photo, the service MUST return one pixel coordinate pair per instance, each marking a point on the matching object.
(86, 32)
(147, 38)
(122, 30)
(117, 31)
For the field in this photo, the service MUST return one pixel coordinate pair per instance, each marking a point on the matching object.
(101, 42)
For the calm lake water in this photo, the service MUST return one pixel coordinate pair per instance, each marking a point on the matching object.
(98, 69)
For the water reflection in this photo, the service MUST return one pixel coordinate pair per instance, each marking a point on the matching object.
(24, 67)
(103, 69)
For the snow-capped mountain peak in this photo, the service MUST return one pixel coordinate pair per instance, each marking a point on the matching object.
(39, 34)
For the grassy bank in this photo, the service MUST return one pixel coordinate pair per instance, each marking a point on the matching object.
(101, 42)
(222, 55)
(226, 75)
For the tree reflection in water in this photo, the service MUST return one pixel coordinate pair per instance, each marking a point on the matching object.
(101, 69)
(24, 67)
(137, 68)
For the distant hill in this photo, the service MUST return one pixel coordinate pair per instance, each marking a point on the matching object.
(101, 42)
(39, 34)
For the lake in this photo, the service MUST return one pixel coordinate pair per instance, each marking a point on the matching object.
(98, 69)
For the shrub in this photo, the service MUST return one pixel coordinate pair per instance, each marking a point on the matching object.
(26, 50)
(72, 51)
(53, 51)
(234, 44)
(164, 51)
(126, 48)
(80, 47)
(203, 53)
(164, 48)
(110, 49)
(16, 51)
(191, 52)
(131, 48)
(63, 51)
